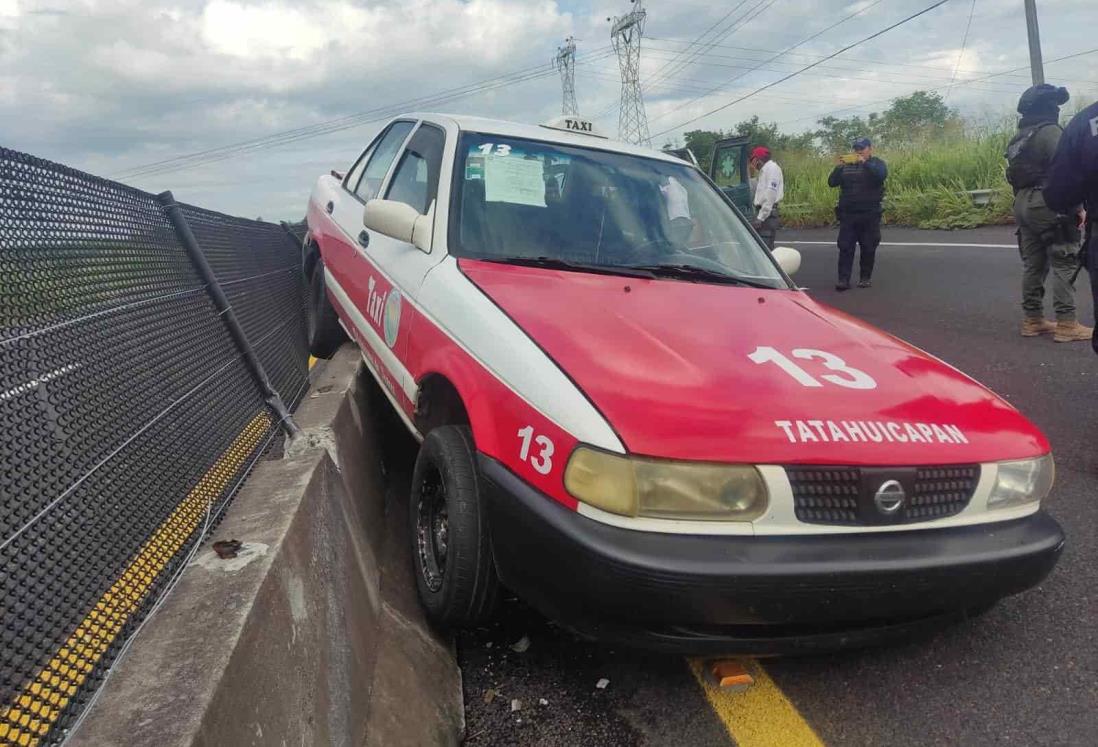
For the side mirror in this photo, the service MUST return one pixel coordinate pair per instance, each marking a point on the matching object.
(788, 259)
(399, 221)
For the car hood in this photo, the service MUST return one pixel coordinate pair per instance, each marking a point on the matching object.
(669, 365)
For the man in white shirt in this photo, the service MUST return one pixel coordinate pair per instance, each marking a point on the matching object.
(769, 192)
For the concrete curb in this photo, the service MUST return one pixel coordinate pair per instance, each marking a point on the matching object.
(312, 634)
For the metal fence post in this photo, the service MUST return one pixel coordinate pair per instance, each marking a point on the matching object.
(194, 251)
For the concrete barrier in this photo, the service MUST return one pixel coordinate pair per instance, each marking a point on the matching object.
(312, 634)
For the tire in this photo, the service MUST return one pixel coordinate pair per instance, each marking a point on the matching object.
(321, 321)
(451, 548)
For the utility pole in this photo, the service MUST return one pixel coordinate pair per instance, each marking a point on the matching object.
(625, 33)
(1036, 65)
(565, 62)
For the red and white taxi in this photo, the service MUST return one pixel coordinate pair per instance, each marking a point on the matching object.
(634, 420)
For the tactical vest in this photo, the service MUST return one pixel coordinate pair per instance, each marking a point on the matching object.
(859, 190)
(1024, 168)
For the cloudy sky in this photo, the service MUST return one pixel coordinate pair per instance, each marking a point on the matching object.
(112, 85)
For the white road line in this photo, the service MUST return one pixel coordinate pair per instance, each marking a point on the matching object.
(35, 383)
(911, 243)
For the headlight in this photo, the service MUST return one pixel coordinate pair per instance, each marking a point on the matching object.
(665, 489)
(1023, 481)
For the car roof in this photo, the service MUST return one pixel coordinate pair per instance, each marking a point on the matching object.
(538, 132)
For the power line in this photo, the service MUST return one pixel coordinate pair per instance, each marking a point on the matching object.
(757, 91)
(961, 83)
(964, 44)
(751, 14)
(852, 58)
(807, 39)
(840, 73)
(662, 73)
(656, 76)
(318, 129)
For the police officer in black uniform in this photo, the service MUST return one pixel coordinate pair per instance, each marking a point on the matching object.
(1073, 180)
(861, 191)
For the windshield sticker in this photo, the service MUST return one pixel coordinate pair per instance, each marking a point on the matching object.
(520, 181)
(869, 431)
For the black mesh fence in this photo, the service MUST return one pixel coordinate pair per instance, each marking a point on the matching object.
(129, 414)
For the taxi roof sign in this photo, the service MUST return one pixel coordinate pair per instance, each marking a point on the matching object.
(576, 124)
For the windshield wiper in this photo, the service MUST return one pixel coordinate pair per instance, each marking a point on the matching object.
(555, 263)
(693, 272)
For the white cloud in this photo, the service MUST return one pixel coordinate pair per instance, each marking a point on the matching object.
(112, 84)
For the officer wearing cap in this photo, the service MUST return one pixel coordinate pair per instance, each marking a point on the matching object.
(1073, 179)
(861, 192)
(1048, 238)
(769, 191)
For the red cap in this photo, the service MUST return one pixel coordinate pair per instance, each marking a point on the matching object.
(760, 151)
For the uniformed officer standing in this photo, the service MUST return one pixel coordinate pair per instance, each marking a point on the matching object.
(1073, 179)
(1046, 238)
(769, 191)
(861, 192)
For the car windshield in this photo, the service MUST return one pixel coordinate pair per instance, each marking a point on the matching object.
(534, 202)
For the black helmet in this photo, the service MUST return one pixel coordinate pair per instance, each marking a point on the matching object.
(1042, 96)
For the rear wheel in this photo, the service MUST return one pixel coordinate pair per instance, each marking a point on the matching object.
(451, 550)
(321, 322)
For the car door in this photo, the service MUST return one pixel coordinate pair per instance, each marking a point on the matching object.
(729, 170)
(414, 181)
(383, 273)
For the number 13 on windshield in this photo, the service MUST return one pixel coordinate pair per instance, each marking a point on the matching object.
(844, 376)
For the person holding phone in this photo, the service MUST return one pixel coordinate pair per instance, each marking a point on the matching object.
(860, 177)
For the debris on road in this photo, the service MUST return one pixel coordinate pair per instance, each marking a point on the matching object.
(543, 702)
(521, 645)
(516, 705)
(227, 549)
(601, 684)
(490, 694)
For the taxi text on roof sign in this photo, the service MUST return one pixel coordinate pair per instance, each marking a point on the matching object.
(574, 124)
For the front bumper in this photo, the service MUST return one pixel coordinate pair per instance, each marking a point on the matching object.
(759, 595)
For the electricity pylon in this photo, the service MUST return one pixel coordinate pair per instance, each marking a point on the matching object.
(625, 34)
(565, 62)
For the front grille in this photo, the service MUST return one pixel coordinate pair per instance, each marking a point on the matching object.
(844, 495)
(826, 496)
(942, 491)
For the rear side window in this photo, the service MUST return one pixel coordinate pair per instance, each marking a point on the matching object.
(415, 181)
(356, 171)
(378, 162)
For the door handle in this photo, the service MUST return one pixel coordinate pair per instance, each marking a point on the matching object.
(329, 207)
(363, 238)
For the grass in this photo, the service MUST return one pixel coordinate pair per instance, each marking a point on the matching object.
(926, 184)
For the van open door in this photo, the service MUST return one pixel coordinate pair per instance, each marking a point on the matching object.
(729, 170)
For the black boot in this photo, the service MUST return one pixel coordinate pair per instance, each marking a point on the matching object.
(842, 285)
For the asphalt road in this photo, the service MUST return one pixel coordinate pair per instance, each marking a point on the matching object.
(1024, 673)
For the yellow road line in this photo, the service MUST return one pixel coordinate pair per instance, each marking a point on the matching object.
(30, 715)
(760, 716)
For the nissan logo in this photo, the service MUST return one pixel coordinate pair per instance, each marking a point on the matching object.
(889, 497)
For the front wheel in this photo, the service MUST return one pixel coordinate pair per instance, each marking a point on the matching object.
(451, 550)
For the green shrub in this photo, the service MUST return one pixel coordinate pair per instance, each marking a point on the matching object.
(926, 187)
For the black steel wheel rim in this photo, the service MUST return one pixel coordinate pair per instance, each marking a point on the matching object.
(432, 529)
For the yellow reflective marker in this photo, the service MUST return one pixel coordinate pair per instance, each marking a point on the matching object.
(312, 361)
(760, 716)
(29, 716)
